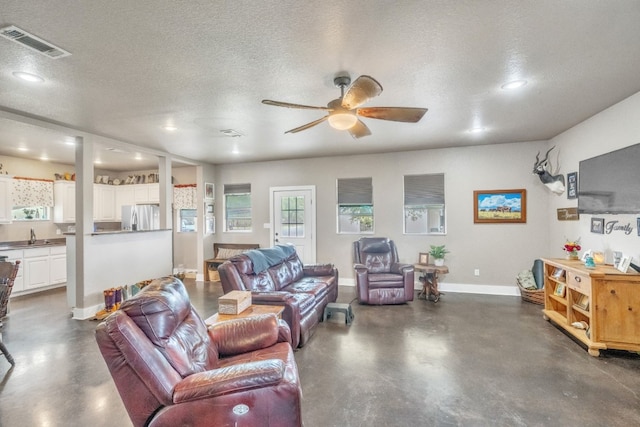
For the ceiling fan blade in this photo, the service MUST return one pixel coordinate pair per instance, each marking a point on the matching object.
(362, 90)
(289, 105)
(396, 114)
(308, 125)
(359, 130)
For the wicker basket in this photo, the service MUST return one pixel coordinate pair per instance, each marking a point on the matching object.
(535, 296)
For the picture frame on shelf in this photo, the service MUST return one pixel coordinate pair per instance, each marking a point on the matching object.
(624, 263)
(500, 206)
(558, 273)
(572, 185)
(559, 290)
(208, 191)
(586, 254)
(582, 302)
(597, 225)
(423, 259)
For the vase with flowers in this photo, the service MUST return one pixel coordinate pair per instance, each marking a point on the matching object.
(571, 247)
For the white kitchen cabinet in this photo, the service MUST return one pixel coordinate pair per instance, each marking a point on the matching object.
(64, 197)
(124, 197)
(36, 268)
(58, 265)
(104, 202)
(5, 199)
(13, 256)
(146, 193)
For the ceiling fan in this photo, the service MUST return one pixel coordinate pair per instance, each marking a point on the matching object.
(344, 111)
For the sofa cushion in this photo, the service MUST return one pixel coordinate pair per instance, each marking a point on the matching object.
(305, 302)
(295, 267)
(164, 314)
(281, 275)
(308, 285)
(258, 282)
(226, 253)
(386, 280)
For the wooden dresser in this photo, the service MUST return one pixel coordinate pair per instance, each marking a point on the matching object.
(603, 300)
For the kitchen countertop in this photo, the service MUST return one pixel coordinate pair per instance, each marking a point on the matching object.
(40, 243)
(101, 233)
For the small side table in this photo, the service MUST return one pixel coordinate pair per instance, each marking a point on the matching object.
(430, 280)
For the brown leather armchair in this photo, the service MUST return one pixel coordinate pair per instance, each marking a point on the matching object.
(171, 370)
(380, 277)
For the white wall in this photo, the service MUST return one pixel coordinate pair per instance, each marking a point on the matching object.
(614, 128)
(500, 251)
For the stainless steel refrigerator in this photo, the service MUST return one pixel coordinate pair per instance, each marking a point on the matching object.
(141, 217)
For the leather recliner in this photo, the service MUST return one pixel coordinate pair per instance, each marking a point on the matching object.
(171, 370)
(380, 277)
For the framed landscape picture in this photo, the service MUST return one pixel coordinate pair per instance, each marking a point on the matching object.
(500, 206)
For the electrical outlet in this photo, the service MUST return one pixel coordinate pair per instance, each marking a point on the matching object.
(476, 272)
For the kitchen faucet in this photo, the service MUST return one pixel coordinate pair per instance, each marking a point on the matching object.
(32, 239)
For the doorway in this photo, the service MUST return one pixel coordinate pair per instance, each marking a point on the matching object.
(293, 219)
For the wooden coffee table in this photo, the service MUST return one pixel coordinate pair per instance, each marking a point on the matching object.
(253, 310)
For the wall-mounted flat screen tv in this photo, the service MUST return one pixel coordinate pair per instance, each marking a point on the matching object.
(610, 183)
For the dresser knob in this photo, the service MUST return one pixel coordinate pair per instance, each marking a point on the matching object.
(578, 279)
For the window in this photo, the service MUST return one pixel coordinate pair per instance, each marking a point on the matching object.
(187, 220)
(30, 213)
(237, 207)
(424, 208)
(355, 206)
(292, 216)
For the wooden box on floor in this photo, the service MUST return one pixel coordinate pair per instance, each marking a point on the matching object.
(235, 302)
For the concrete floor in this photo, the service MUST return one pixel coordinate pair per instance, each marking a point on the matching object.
(469, 360)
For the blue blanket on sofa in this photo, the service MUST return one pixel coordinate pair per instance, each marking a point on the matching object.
(262, 259)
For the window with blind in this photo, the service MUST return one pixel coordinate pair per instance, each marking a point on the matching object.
(355, 205)
(32, 199)
(237, 207)
(424, 207)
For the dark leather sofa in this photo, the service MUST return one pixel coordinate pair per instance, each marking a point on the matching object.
(170, 370)
(303, 290)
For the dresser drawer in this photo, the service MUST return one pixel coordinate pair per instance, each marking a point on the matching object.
(580, 282)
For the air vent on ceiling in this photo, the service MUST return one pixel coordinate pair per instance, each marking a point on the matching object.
(231, 132)
(17, 35)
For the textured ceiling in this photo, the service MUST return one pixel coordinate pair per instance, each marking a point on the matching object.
(204, 66)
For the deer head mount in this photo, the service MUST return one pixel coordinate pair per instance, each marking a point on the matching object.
(541, 168)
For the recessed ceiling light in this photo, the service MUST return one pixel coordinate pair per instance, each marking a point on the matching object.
(170, 128)
(97, 162)
(138, 156)
(28, 77)
(23, 149)
(514, 84)
(476, 130)
(44, 158)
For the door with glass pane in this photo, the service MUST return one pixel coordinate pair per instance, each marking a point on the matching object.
(293, 220)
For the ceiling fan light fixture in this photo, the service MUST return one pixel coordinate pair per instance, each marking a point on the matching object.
(342, 121)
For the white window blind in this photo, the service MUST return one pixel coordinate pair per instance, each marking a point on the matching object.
(32, 192)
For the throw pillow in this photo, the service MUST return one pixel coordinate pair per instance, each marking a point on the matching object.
(226, 253)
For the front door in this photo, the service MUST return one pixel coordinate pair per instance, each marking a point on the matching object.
(293, 220)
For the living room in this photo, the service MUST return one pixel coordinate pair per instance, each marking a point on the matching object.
(419, 363)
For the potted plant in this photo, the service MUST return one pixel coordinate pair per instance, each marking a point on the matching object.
(438, 252)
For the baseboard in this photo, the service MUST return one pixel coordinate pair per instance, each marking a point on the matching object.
(86, 313)
(507, 290)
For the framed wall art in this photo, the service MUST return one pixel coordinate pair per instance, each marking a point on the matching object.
(500, 206)
(572, 185)
(208, 191)
(597, 225)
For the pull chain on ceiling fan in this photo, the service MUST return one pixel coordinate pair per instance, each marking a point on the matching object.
(344, 111)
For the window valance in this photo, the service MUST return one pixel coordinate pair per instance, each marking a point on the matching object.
(32, 192)
(184, 196)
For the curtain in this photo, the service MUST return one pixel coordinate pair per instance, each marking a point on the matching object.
(32, 192)
(184, 196)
